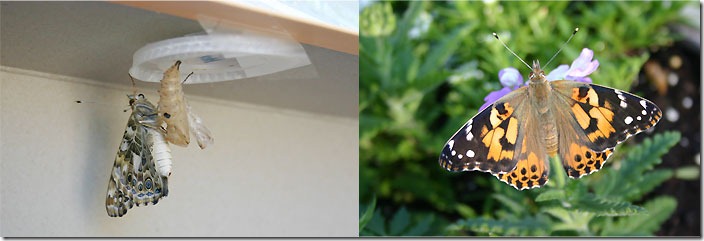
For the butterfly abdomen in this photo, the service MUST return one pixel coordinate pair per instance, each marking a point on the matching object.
(172, 109)
(550, 133)
(160, 152)
(540, 96)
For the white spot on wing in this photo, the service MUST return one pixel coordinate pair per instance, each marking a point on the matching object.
(470, 153)
(451, 143)
(124, 145)
(628, 120)
(470, 136)
(136, 160)
(643, 103)
(643, 112)
(454, 152)
(468, 129)
(623, 104)
(460, 156)
(638, 118)
(130, 131)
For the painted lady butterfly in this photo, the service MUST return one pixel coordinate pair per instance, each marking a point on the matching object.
(143, 162)
(579, 122)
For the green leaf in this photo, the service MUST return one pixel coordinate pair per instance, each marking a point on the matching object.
(558, 176)
(368, 214)
(440, 53)
(377, 20)
(551, 194)
(648, 182)
(689, 173)
(570, 220)
(376, 225)
(526, 226)
(558, 212)
(639, 159)
(659, 210)
(605, 207)
(648, 154)
(399, 222)
(515, 207)
(465, 210)
(422, 227)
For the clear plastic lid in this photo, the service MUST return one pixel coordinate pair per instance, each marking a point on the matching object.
(218, 57)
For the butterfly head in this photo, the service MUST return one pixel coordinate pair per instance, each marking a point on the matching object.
(139, 103)
(136, 97)
(537, 74)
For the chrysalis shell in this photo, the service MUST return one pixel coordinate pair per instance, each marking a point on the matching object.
(172, 107)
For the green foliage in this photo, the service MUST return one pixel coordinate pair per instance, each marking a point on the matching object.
(551, 194)
(426, 67)
(600, 206)
(576, 211)
(401, 224)
(660, 209)
(524, 227)
(626, 180)
(688, 173)
(367, 215)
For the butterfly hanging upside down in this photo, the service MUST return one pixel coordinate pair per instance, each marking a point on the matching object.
(143, 162)
(579, 122)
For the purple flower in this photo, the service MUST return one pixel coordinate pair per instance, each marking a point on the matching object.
(511, 79)
(578, 71)
(493, 96)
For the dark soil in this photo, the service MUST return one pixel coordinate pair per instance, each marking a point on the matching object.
(671, 79)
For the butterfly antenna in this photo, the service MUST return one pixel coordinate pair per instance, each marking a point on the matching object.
(507, 48)
(563, 45)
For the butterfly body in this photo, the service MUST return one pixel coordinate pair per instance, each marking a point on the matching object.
(160, 151)
(135, 177)
(578, 122)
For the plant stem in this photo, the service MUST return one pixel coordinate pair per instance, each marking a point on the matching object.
(557, 173)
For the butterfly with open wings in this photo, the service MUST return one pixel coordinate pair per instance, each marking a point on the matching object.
(579, 122)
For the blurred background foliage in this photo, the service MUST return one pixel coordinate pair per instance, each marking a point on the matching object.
(425, 69)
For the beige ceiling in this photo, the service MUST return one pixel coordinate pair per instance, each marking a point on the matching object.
(96, 40)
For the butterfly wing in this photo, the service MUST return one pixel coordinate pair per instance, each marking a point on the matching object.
(488, 141)
(597, 119)
(532, 167)
(134, 178)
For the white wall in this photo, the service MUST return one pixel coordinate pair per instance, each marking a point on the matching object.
(271, 172)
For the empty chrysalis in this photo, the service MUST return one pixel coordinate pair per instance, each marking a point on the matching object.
(176, 114)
